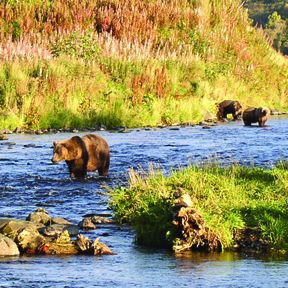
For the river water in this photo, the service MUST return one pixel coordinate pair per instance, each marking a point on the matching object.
(29, 180)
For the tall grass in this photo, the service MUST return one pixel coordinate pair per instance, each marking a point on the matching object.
(168, 61)
(229, 199)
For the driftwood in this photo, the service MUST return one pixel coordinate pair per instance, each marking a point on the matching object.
(192, 230)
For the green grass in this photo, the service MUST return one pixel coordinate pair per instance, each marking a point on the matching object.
(229, 199)
(168, 65)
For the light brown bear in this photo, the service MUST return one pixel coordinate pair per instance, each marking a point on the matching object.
(254, 115)
(89, 153)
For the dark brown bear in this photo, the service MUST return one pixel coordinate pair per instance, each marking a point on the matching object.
(228, 107)
(254, 115)
(89, 153)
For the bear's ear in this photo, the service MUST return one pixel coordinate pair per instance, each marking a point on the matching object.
(55, 143)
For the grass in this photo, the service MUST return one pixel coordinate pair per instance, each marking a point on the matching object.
(167, 65)
(229, 199)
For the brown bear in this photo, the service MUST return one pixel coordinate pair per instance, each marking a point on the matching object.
(254, 115)
(89, 153)
(228, 107)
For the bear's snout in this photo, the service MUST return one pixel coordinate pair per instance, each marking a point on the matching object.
(54, 160)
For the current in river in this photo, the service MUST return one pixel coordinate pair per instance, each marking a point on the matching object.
(29, 180)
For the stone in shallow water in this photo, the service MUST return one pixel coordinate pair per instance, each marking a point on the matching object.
(8, 247)
(86, 223)
(12, 227)
(57, 229)
(59, 220)
(40, 215)
(29, 240)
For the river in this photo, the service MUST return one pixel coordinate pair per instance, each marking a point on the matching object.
(29, 180)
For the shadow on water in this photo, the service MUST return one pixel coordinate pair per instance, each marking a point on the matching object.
(29, 180)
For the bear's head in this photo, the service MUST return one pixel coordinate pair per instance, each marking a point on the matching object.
(60, 152)
(262, 112)
(66, 150)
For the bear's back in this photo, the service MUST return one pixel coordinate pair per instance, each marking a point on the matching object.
(98, 151)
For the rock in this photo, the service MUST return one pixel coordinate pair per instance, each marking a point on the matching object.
(59, 220)
(18, 130)
(208, 117)
(96, 247)
(101, 220)
(99, 248)
(57, 229)
(8, 247)
(277, 112)
(4, 221)
(9, 143)
(86, 223)
(31, 145)
(60, 245)
(12, 227)
(29, 240)
(3, 137)
(39, 216)
(6, 131)
(206, 127)
(83, 243)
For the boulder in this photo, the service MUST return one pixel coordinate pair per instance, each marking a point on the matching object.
(3, 137)
(60, 245)
(101, 220)
(40, 215)
(86, 223)
(86, 246)
(57, 229)
(8, 247)
(29, 240)
(12, 227)
(59, 220)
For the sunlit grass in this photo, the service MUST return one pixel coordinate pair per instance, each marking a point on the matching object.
(229, 198)
(116, 65)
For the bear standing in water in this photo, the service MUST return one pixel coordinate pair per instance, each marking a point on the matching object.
(254, 115)
(89, 153)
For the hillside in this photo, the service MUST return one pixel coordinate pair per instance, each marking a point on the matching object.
(259, 10)
(273, 17)
(133, 63)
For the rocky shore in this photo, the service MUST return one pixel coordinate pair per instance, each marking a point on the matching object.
(208, 121)
(42, 234)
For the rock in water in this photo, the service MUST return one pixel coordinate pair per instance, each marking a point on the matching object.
(39, 216)
(8, 247)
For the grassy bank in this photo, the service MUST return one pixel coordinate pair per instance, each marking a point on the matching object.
(116, 65)
(230, 200)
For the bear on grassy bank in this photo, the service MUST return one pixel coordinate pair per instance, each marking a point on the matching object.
(228, 107)
(89, 153)
(254, 115)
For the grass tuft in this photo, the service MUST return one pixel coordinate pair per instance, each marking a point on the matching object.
(230, 199)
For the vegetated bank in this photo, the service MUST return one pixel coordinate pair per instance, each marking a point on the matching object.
(207, 207)
(131, 63)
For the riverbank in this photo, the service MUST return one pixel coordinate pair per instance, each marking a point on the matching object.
(169, 65)
(234, 208)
